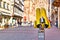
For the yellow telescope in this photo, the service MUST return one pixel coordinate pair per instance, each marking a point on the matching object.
(41, 13)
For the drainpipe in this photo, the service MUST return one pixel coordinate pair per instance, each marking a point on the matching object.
(12, 14)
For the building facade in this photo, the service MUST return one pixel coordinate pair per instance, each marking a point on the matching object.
(6, 11)
(56, 12)
(18, 11)
(30, 7)
(11, 11)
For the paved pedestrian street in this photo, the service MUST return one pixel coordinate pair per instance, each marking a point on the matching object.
(19, 33)
(41, 36)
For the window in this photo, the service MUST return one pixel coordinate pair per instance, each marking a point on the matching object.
(17, 1)
(20, 5)
(23, 0)
(0, 3)
(4, 5)
(22, 8)
(7, 6)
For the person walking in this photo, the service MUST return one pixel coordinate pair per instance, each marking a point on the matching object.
(42, 24)
(42, 20)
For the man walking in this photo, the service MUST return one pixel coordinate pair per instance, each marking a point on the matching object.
(42, 20)
(42, 24)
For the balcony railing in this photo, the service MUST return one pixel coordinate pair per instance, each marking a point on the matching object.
(18, 14)
(19, 7)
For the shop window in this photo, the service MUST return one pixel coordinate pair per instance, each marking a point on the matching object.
(0, 20)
